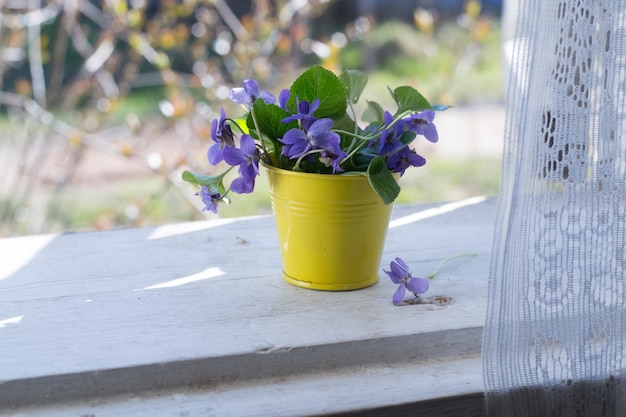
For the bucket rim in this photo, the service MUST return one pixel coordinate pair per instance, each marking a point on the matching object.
(342, 176)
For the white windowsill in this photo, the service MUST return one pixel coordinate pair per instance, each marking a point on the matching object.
(194, 319)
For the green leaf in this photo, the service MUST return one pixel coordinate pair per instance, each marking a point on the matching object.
(213, 183)
(374, 112)
(409, 98)
(354, 82)
(407, 137)
(241, 124)
(319, 83)
(382, 180)
(344, 123)
(269, 117)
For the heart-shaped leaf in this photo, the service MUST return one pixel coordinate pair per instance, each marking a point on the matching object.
(269, 117)
(319, 83)
(409, 98)
(213, 183)
(354, 82)
(374, 112)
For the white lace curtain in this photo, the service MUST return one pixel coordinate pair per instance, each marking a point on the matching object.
(554, 334)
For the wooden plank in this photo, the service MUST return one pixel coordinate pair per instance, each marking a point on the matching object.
(203, 303)
(448, 387)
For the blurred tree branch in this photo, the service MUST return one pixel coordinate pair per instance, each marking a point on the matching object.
(69, 67)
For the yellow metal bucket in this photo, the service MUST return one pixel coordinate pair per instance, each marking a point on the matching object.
(331, 229)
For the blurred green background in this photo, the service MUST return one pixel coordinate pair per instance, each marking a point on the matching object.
(102, 105)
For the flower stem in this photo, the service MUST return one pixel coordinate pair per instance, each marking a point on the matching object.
(262, 143)
(296, 167)
(357, 148)
(442, 263)
(357, 145)
(354, 135)
(352, 109)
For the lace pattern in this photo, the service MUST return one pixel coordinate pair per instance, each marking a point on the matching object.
(553, 342)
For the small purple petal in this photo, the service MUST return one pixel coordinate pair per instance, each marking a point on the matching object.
(296, 143)
(239, 96)
(398, 296)
(417, 285)
(326, 140)
(304, 107)
(402, 264)
(293, 136)
(392, 276)
(387, 117)
(430, 133)
(283, 98)
(247, 144)
(215, 154)
(234, 156)
(290, 119)
(251, 87)
(249, 170)
(242, 185)
(214, 128)
(399, 268)
(319, 126)
(267, 97)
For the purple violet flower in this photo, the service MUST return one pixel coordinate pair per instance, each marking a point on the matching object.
(403, 159)
(401, 275)
(422, 124)
(388, 141)
(249, 93)
(209, 198)
(333, 158)
(318, 136)
(305, 113)
(247, 157)
(223, 136)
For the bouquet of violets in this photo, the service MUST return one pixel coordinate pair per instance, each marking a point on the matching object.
(313, 127)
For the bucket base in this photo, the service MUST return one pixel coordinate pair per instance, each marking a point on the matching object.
(338, 286)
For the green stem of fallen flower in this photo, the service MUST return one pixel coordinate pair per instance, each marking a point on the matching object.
(445, 261)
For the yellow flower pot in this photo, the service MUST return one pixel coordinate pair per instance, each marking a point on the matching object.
(331, 229)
